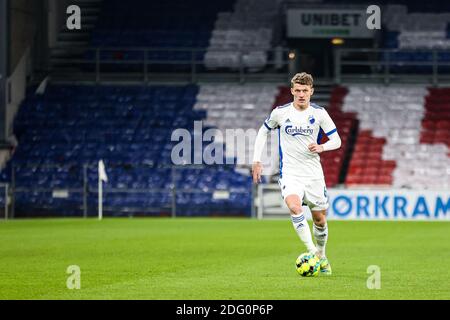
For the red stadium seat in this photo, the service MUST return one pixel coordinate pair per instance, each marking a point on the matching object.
(361, 147)
(368, 179)
(365, 133)
(428, 124)
(384, 179)
(376, 148)
(371, 171)
(352, 180)
(442, 136)
(385, 171)
(389, 164)
(371, 155)
(443, 124)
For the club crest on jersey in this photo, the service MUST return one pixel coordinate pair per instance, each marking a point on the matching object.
(311, 119)
(298, 131)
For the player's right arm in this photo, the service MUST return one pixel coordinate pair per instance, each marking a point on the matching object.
(261, 139)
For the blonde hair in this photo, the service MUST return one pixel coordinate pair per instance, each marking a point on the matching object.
(302, 78)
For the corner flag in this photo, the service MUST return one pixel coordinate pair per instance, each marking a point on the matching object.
(101, 177)
(102, 172)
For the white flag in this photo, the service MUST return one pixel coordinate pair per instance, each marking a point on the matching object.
(102, 172)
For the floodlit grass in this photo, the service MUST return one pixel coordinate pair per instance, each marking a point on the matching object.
(193, 258)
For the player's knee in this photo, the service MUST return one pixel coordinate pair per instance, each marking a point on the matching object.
(294, 204)
(320, 220)
(295, 208)
(320, 224)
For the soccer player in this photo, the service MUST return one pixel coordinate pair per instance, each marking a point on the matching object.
(301, 176)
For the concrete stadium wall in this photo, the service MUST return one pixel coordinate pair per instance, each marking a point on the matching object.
(56, 19)
(24, 24)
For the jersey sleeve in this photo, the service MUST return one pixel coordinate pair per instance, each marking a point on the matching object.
(327, 124)
(272, 121)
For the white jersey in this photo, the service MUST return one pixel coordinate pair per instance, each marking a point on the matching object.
(296, 131)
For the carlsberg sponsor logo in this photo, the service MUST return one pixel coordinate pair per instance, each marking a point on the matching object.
(295, 131)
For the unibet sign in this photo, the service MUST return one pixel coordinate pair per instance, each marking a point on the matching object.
(328, 23)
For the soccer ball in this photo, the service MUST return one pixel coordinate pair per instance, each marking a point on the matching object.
(308, 265)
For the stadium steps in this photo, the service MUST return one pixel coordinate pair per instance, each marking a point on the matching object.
(70, 41)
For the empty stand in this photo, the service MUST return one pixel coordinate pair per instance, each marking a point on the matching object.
(388, 148)
(417, 33)
(130, 129)
(248, 30)
(178, 25)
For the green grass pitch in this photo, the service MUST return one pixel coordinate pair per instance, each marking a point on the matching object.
(218, 258)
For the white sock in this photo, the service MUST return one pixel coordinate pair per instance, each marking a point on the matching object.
(321, 236)
(302, 228)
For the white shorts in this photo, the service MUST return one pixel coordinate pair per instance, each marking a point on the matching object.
(312, 192)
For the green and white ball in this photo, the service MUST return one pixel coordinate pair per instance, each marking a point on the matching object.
(308, 265)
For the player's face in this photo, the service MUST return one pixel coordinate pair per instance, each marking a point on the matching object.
(302, 95)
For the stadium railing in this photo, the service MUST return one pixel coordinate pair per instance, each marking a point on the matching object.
(78, 196)
(188, 65)
(392, 65)
(5, 201)
(160, 64)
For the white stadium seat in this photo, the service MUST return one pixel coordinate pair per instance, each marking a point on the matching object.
(239, 107)
(249, 29)
(417, 30)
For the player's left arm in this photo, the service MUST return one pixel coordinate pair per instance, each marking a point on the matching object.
(330, 130)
